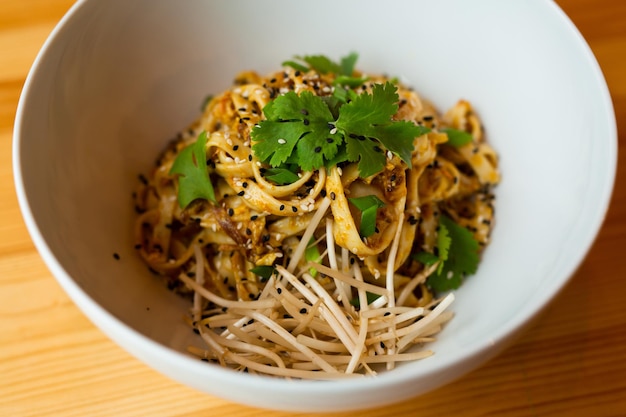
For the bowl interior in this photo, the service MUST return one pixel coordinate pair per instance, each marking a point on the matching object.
(116, 81)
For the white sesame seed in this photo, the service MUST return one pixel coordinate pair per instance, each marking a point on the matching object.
(450, 275)
(389, 155)
(282, 141)
(247, 196)
(340, 171)
(333, 130)
(326, 89)
(229, 141)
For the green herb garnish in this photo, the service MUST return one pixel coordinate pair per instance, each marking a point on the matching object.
(457, 250)
(281, 176)
(264, 271)
(312, 131)
(371, 297)
(457, 137)
(368, 206)
(302, 129)
(194, 181)
(312, 254)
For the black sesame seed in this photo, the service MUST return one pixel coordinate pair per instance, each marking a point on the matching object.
(138, 246)
(254, 217)
(143, 179)
(303, 310)
(282, 207)
(248, 231)
(304, 112)
(294, 209)
(241, 193)
(231, 211)
(323, 193)
(306, 122)
(116, 256)
(235, 147)
(279, 290)
(318, 149)
(244, 185)
(332, 195)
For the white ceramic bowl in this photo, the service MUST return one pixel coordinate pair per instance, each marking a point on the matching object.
(117, 79)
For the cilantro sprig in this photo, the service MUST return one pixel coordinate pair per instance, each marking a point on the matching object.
(457, 252)
(314, 131)
(193, 181)
(302, 129)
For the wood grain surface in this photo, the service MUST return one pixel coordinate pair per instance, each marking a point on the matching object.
(54, 362)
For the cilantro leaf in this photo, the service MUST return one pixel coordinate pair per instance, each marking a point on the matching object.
(462, 256)
(194, 181)
(352, 82)
(458, 137)
(370, 156)
(264, 271)
(296, 65)
(368, 206)
(371, 297)
(370, 115)
(348, 63)
(322, 64)
(281, 176)
(425, 258)
(296, 122)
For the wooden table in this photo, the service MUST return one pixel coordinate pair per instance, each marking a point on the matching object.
(54, 362)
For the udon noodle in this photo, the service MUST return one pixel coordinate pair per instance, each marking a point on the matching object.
(329, 303)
